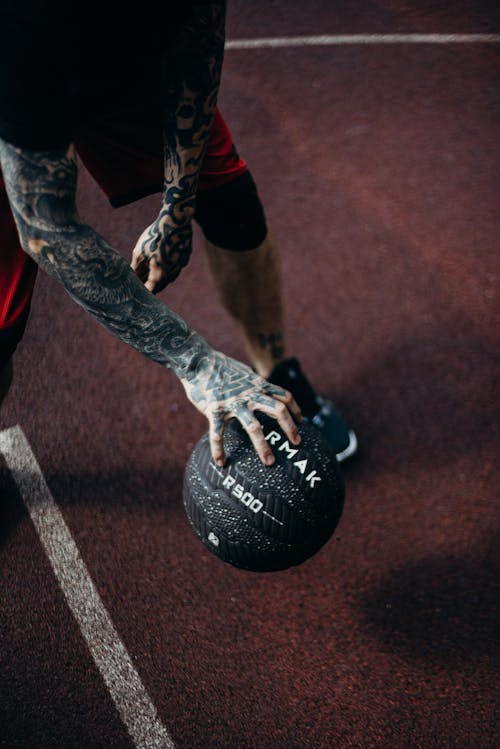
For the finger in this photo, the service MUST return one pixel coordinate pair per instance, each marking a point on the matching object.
(253, 428)
(139, 255)
(172, 274)
(215, 436)
(279, 411)
(285, 397)
(155, 276)
(157, 287)
(136, 259)
(141, 271)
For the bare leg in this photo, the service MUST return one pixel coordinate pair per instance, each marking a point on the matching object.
(249, 287)
(5, 379)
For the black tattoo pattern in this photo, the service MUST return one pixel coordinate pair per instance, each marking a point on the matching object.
(191, 77)
(41, 189)
(41, 186)
(274, 342)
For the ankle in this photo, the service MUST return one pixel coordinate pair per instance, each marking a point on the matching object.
(266, 352)
(264, 365)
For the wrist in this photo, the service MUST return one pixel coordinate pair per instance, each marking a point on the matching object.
(174, 216)
(187, 358)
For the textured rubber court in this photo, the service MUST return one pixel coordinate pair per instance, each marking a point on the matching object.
(378, 163)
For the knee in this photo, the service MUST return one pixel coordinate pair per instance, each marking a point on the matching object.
(231, 216)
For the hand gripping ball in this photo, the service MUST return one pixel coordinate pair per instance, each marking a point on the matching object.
(264, 518)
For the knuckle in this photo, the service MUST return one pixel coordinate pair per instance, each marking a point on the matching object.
(254, 428)
(288, 397)
(281, 409)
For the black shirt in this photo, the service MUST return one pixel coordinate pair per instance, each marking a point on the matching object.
(60, 62)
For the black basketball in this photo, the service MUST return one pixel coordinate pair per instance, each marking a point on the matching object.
(264, 518)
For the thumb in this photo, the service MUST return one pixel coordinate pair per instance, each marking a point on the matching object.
(154, 276)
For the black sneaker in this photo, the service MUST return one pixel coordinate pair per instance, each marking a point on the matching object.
(319, 411)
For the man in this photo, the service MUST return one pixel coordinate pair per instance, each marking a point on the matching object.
(121, 88)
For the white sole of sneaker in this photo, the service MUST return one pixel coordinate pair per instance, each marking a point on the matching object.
(350, 449)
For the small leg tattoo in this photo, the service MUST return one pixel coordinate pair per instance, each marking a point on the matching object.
(272, 342)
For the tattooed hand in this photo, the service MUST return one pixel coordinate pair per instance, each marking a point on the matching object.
(222, 388)
(160, 255)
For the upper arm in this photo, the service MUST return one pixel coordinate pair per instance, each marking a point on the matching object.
(191, 77)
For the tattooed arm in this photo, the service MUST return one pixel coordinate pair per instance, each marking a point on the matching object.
(41, 186)
(191, 78)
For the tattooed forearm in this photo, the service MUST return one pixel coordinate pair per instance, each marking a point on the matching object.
(191, 78)
(41, 188)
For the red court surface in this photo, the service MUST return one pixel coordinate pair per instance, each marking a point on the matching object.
(378, 165)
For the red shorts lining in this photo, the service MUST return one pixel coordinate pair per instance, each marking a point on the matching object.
(124, 154)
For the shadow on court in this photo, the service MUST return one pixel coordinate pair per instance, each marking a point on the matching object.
(439, 610)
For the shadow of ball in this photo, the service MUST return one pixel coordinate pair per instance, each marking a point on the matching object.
(264, 518)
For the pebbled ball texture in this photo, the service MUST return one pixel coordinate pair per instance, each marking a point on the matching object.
(264, 518)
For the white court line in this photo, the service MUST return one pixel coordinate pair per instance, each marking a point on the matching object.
(339, 39)
(109, 653)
